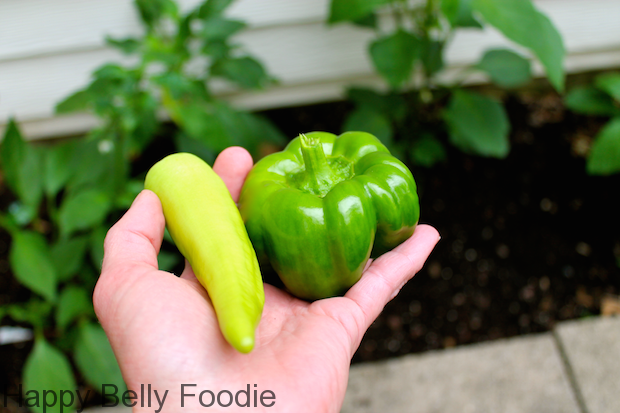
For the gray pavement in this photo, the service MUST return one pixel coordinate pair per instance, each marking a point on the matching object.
(592, 350)
(573, 369)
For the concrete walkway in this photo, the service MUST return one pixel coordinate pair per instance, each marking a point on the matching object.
(573, 369)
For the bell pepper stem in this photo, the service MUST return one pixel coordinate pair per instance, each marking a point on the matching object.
(319, 176)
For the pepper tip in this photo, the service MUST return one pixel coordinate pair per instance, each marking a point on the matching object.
(245, 345)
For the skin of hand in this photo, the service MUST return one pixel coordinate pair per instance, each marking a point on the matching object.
(164, 332)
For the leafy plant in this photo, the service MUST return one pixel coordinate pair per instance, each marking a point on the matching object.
(56, 226)
(602, 98)
(68, 193)
(408, 52)
(178, 59)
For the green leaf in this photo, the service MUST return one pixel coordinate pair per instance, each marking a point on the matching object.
(218, 28)
(212, 8)
(67, 256)
(12, 153)
(77, 102)
(604, 158)
(111, 71)
(506, 68)
(88, 276)
(432, 56)
(213, 123)
(22, 166)
(31, 177)
(367, 120)
(151, 11)
(191, 109)
(82, 210)
(427, 151)
(95, 358)
(132, 188)
(58, 168)
(184, 143)
(262, 129)
(47, 368)
(147, 123)
(247, 129)
(168, 237)
(478, 124)
(459, 13)
(394, 56)
(180, 88)
(128, 45)
(245, 71)
(369, 21)
(73, 302)
(391, 105)
(168, 260)
(216, 49)
(368, 98)
(201, 122)
(32, 265)
(185, 29)
(590, 101)
(34, 312)
(90, 166)
(609, 83)
(163, 53)
(96, 245)
(522, 23)
(22, 214)
(352, 10)
(450, 9)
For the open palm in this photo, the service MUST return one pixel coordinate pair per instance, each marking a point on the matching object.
(164, 331)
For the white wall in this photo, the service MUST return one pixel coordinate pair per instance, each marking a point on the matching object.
(49, 47)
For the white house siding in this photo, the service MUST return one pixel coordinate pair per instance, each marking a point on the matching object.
(48, 49)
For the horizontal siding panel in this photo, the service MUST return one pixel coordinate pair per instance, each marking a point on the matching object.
(33, 27)
(45, 27)
(51, 53)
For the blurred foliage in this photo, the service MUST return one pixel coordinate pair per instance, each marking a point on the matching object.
(67, 194)
(601, 98)
(408, 52)
(57, 222)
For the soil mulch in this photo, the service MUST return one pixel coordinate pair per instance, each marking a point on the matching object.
(527, 241)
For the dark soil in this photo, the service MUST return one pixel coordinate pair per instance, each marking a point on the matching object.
(526, 242)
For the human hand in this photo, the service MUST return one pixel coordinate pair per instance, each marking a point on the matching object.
(164, 331)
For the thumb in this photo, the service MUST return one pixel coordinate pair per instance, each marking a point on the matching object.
(131, 244)
(136, 238)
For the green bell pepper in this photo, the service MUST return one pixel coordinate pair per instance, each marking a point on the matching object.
(320, 208)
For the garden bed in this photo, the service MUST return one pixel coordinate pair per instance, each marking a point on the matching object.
(526, 241)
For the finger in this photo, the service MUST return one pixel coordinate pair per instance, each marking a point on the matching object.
(233, 165)
(188, 272)
(136, 238)
(387, 274)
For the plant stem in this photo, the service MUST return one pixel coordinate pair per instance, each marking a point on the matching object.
(397, 10)
(319, 176)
